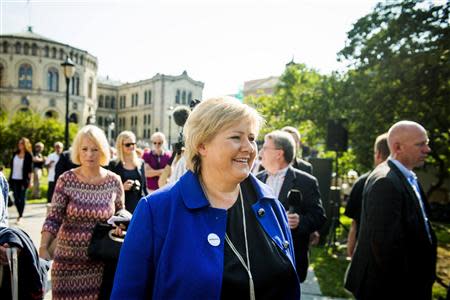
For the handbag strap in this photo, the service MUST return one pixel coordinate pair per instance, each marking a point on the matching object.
(11, 254)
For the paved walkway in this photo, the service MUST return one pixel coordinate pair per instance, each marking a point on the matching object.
(34, 217)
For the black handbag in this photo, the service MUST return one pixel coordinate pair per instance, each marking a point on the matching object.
(104, 244)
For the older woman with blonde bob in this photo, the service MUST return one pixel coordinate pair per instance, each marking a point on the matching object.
(130, 168)
(83, 196)
(218, 232)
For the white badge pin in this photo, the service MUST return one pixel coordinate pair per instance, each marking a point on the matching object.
(213, 239)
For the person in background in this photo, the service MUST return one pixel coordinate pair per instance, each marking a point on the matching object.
(155, 161)
(21, 174)
(298, 162)
(4, 191)
(130, 168)
(50, 164)
(306, 214)
(83, 196)
(395, 256)
(38, 165)
(354, 204)
(218, 232)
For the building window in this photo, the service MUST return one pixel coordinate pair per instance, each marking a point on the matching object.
(5, 47)
(90, 87)
(46, 51)
(74, 105)
(81, 59)
(76, 84)
(52, 102)
(26, 49)
(2, 75)
(183, 97)
(149, 97)
(18, 48)
(25, 101)
(53, 52)
(76, 58)
(34, 49)
(53, 79)
(113, 102)
(73, 118)
(25, 77)
(100, 121)
(107, 101)
(100, 101)
(145, 97)
(189, 98)
(177, 97)
(61, 54)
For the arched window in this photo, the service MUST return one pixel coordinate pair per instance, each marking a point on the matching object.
(76, 58)
(61, 54)
(26, 49)
(53, 52)
(5, 47)
(100, 101)
(81, 59)
(2, 75)
(73, 118)
(53, 80)
(75, 84)
(25, 101)
(34, 49)
(107, 101)
(18, 48)
(149, 97)
(113, 102)
(90, 87)
(25, 76)
(189, 97)
(100, 121)
(46, 51)
(177, 97)
(183, 97)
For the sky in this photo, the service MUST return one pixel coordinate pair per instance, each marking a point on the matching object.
(222, 43)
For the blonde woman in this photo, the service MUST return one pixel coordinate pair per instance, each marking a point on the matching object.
(83, 196)
(130, 168)
(156, 160)
(218, 232)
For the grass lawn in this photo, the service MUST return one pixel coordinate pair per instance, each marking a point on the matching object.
(330, 264)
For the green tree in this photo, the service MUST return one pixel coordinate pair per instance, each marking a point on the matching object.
(33, 127)
(399, 69)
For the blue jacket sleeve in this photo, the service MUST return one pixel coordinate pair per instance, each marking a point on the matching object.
(135, 270)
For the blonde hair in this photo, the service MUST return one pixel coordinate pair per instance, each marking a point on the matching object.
(160, 135)
(26, 144)
(209, 118)
(96, 135)
(119, 146)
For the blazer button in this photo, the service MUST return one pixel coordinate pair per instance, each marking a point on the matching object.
(285, 244)
(261, 212)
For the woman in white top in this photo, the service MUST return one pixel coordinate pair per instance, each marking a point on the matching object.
(21, 172)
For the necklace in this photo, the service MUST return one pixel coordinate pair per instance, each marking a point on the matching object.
(233, 248)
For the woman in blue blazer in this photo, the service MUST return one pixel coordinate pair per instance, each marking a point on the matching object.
(218, 232)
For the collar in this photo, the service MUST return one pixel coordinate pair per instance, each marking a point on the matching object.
(279, 173)
(405, 171)
(194, 198)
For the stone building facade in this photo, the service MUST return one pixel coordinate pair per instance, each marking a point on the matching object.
(31, 78)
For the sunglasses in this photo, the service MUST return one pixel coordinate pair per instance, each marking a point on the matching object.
(157, 143)
(129, 144)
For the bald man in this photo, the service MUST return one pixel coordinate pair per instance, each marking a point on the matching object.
(395, 256)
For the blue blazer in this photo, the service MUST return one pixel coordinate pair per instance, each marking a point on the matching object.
(166, 253)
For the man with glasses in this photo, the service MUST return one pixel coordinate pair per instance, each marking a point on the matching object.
(155, 161)
(297, 190)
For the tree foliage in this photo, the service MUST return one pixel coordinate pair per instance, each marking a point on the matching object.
(33, 127)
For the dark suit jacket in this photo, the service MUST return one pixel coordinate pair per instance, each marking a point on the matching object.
(64, 164)
(312, 214)
(302, 165)
(393, 259)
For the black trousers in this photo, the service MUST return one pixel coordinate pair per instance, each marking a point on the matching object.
(19, 190)
(50, 191)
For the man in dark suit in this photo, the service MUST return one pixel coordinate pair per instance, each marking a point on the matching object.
(354, 203)
(395, 255)
(306, 215)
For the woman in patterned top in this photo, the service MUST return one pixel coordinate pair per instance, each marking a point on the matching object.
(83, 196)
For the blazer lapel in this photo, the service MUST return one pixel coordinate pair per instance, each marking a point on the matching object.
(288, 184)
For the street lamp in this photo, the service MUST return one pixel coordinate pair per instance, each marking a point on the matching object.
(170, 125)
(68, 70)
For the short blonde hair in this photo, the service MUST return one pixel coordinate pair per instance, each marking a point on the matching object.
(209, 118)
(96, 135)
(119, 146)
